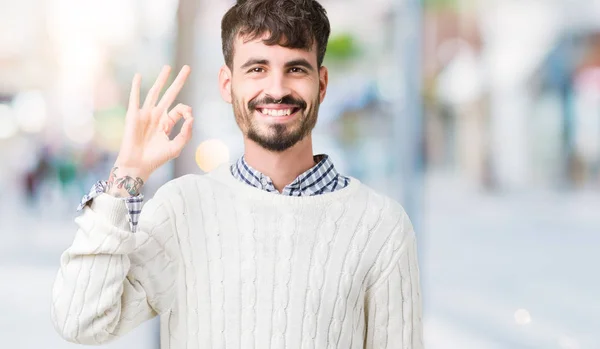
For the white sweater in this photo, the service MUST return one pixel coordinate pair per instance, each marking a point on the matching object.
(227, 265)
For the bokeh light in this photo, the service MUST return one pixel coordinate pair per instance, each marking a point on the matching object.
(522, 317)
(30, 111)
(211, 153)
(79, 127)
(8, 124)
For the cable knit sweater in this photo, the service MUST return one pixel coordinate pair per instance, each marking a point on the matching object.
(227, 265)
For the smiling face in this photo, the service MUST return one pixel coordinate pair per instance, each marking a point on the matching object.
(275, 92)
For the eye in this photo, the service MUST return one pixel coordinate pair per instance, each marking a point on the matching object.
(256, 70)
(297, 70)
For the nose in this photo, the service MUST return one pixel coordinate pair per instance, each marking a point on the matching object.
(277, 87)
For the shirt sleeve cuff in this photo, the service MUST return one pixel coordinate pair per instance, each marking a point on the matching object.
(114, 206)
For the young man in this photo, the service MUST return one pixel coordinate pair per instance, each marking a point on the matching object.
(277, 250)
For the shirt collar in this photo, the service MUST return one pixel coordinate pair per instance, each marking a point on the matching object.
(312, 182)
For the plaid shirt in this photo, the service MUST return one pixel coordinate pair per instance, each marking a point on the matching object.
(321, 178)
(133, 203)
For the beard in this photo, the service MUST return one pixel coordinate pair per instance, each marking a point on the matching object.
(275, 137)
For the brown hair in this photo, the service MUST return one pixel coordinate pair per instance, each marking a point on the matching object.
(290, 23)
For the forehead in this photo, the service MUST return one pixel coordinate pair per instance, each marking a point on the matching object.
(244, 49)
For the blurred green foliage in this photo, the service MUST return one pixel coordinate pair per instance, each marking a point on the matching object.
(442, 4)
(342, 47)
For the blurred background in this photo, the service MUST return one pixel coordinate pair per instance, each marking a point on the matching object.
(482, 117)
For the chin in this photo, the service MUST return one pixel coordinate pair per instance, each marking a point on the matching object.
(273, 141)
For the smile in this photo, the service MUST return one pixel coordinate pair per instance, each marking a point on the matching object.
(278, 112)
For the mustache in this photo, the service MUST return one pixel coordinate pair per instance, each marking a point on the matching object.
(299, 103)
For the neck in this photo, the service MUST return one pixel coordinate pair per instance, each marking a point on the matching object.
(282, 167)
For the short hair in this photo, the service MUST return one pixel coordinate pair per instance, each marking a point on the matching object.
(289, 23)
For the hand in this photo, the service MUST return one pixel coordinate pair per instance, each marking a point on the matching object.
(146, 144)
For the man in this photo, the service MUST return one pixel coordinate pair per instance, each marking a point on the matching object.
(277, 250)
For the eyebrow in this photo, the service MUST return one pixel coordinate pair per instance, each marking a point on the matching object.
(300, 63)
(295, 63)
(253, 61)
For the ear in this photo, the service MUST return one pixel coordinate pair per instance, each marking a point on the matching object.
(225, 83)
(323, 81)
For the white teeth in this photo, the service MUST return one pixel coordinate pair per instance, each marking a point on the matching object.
(277, 112)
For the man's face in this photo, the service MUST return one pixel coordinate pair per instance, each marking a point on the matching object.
(275, 92)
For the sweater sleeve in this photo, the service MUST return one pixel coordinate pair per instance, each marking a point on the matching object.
(393, 305)
(110, 279)
(133, 203)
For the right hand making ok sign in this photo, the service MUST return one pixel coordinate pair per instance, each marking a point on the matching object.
(146, 143)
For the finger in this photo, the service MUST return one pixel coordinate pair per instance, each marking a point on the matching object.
(175, 115)
(173, 90)
(154, 91)
(184, 135)
(167, 125)
(134, 95)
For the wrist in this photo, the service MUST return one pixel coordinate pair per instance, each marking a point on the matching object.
(125, 181)
(134, 172)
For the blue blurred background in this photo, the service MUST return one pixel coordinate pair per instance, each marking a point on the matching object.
(481, 116)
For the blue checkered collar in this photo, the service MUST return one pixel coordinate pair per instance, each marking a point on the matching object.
(316, 180)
